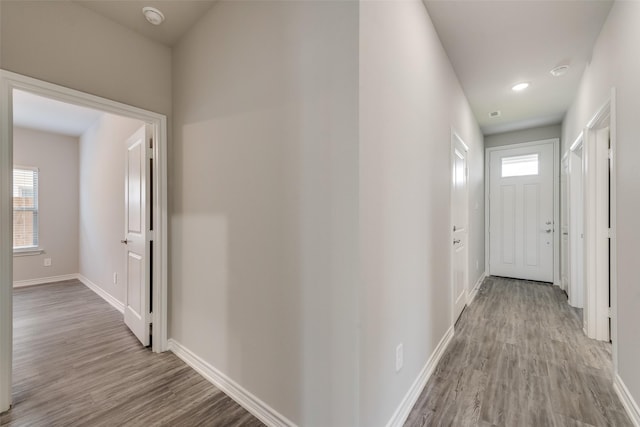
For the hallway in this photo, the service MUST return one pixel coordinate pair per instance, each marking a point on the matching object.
(519, 358)
(77, 364)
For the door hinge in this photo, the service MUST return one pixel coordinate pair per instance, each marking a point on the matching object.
(609, 233)
(609, 313)
(150, 153)
(150, 235)
(610, 153)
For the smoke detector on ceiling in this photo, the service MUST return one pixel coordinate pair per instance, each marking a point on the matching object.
(559, 71)
(495, 114)
(153, 15)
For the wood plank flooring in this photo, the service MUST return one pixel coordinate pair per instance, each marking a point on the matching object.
(76, 364)
(519, 358)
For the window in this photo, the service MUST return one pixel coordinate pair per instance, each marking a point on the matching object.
(25, 208)
(520, 165)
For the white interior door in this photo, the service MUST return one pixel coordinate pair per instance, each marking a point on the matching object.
(460, 214)
(137, 305)
(521, 213)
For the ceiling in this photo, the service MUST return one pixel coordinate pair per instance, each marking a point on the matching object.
(180, 15)
(45, 114)
(496, 44)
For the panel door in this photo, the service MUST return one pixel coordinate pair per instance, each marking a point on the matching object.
(521, 222)
(460, 226)
(137, 314)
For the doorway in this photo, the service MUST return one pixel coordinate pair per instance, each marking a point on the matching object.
(523, 210)
(10, 82)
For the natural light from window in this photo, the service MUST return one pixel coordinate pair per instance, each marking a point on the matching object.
(25, 208)
(520, 165)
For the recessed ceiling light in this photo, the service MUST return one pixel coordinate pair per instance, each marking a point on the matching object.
(153, 15)
(520, 86)
(559, 71)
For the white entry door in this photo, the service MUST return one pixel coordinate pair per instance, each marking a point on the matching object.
(521, 212)
(137, 306)
(460, 214)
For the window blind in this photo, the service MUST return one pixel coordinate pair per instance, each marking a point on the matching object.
(25, 208)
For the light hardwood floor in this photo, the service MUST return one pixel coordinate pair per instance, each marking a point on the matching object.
(519, 358)
(76, 364)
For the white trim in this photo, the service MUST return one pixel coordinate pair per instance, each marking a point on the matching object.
(10, 81)
(613, 203)
(597, 259)
(44, 280)
(101, 293)
(402, 412)
(630, 405)
(556, 201)
(6, 243)
(235, 391)
(27, 252)
(476, 287)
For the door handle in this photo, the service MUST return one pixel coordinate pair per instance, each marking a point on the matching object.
(125, 241)
(548, 230)
(456, 241)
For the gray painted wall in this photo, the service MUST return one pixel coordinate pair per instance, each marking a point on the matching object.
(615, 63)
(526, 135)
(409, 101)
(265, 186)
(56, 157)
(67, 44)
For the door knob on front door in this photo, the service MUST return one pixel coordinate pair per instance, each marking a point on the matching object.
(125, 241)
(456, 241)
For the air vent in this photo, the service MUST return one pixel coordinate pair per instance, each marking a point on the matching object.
(495, 114)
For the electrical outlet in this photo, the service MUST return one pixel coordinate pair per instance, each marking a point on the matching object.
(115, 278)
(47, 262)
(399, 357)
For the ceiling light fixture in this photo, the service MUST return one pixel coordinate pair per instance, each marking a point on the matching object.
(559, 71)
(520, 86)
(153, 15)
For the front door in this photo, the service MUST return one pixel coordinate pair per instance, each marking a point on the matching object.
(521, 214)
(137, 306)
(460, 215)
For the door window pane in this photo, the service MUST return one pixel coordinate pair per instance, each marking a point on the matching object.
(520, 165)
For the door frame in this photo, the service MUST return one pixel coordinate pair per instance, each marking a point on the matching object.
(10, 81)
(595, 262)
(576, 207)
(556, 200)
(455, 136)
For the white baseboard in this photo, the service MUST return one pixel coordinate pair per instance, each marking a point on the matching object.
(44, 280)
(476, 287)
(627, 400)
(402, 412)
(102, 293)
(244, 398)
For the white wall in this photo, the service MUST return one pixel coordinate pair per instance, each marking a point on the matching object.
(526, 135)
(56, 157)
(615, 63)
(264, 229)
(101, 219)
(409, 100)
(64, 43)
